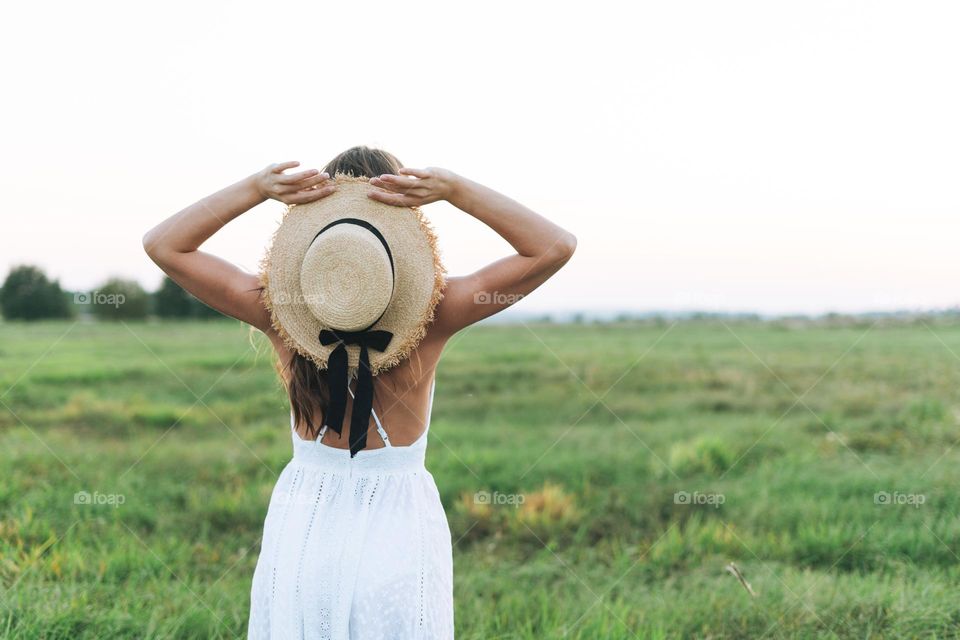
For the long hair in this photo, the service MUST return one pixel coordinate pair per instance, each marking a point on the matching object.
(307, 385)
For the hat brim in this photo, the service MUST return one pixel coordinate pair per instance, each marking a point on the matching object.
(420, 276)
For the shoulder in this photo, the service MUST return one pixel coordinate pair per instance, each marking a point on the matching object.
(452, 310)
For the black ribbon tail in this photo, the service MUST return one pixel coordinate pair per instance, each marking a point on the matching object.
(337, 379)
(337, 363)
(362, 404)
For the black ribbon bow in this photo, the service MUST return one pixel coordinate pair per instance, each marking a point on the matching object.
(337, 364)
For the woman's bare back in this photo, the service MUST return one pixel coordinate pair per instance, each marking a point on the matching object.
(401, 398)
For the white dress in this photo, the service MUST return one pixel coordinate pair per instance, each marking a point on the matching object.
(354, 548)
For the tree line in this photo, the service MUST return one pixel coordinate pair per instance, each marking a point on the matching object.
(28, 294)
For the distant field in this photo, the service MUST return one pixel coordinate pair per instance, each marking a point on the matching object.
(821, 460)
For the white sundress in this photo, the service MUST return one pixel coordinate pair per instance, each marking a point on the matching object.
(354, 548)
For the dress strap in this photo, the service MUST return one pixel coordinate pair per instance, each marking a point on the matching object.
(376, 418)
(433, 388)
(293, 427)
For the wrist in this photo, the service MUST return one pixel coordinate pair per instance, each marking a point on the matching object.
(251, 185)
(454, 187)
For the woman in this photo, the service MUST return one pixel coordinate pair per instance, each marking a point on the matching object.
(298, 599)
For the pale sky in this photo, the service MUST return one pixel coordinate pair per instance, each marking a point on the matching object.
(729, 156)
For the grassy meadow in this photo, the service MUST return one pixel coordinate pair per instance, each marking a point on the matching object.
(599, 479)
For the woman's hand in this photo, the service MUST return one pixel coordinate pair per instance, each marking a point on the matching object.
(413, 187)
(293, 188)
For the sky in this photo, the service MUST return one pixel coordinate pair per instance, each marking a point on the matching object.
(772, 157)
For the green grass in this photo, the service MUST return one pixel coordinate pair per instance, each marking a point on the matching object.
(782, 435)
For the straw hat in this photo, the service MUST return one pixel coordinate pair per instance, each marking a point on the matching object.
(352, 283)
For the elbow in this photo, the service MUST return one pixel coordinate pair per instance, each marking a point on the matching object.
(149, 243)
(570, 244)
(563, 248)
(152, 245)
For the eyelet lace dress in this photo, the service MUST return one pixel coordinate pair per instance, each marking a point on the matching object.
(354, 548)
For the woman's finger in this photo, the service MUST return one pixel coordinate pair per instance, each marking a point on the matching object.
(389, 186)
(395, 179)
(386, 197)
(393, 182)
(291, 178)
(310, 195)
(304, 183)
(410, 171)
(283, 166)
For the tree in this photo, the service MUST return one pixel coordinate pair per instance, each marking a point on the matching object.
(28, 294)
(119, 300)
(204, 312)
(172, 301)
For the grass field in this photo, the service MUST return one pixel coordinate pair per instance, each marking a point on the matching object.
(626, 464)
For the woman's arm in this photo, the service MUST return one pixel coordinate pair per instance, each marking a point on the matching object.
(542, 247)
(173, 244)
